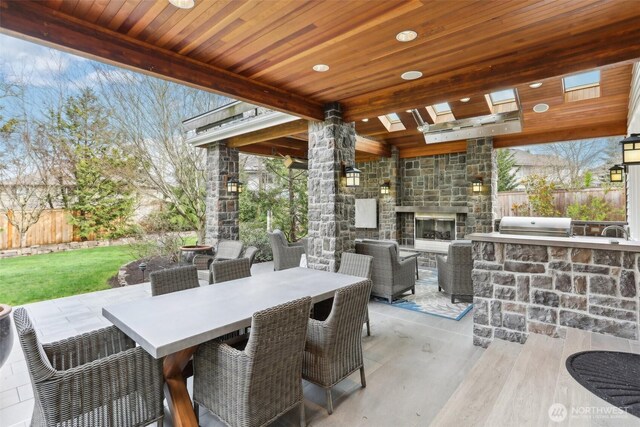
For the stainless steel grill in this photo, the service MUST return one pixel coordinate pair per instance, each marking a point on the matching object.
(536, 226)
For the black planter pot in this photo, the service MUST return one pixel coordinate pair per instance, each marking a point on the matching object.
(190, 251)
(6, 333)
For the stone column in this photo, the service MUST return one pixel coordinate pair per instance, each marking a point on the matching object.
(388, 217)
(331, 204)
(222, 215)
(481, 162)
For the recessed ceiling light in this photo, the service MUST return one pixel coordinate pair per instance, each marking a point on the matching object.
(406, 36)
(183, 4)
(411, 75)
(535, 85)
(465, 99)
(365, 120)
(407, 111)
(541, 108)
(321, 68)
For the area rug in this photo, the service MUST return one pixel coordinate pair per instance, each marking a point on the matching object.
(428, 300)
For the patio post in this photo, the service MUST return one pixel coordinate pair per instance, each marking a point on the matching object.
(222, 207)
(331, 203)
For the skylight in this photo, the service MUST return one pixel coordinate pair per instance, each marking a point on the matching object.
(582, 80)
(442, 108)
(502, 96)
(393, 118)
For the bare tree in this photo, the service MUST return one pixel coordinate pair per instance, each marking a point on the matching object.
(149, 113)
(577, 157)
(24, 185)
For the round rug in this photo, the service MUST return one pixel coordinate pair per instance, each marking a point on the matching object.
(611, 375)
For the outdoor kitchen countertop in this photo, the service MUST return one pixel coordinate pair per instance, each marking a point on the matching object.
(572, 242)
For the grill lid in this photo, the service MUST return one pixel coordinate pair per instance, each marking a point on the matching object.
(536, 226)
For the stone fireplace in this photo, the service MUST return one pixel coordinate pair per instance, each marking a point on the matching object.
(434, 231)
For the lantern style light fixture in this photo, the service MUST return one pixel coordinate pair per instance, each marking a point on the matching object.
(234, 186)
(353, 176)
(631, 149)
(476, 185)
(616, 173)
(385, 188)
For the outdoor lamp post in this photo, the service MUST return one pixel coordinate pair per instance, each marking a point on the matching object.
(142, 267)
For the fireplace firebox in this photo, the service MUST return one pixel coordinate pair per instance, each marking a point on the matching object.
(434, 231)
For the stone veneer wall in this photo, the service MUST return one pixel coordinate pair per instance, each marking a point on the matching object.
(331, 204)
(374, 174)
(443, 181)
(523, 289)
(222, 219)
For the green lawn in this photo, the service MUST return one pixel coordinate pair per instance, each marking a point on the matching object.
(41, 277)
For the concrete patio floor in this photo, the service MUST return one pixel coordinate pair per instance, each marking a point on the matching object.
(414, 362)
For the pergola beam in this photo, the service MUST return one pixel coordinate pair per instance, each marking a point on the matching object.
(266, 134)
(36, 22)
(611, 44)
(369, 146)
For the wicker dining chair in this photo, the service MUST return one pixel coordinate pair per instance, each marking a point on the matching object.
(173, 280)
(254, 386)
(286, 255)
(95, 379)
(223, 271)
(334, 346)
(360, 266)
(229, 249)
(250, 253)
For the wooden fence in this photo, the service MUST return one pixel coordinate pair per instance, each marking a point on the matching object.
(563, 199)
(53, 227)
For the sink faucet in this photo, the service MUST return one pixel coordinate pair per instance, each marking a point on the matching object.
(624, 230)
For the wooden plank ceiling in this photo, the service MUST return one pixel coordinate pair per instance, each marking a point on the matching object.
(263, 52)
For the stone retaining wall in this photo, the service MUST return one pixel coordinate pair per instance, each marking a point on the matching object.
(523, 289)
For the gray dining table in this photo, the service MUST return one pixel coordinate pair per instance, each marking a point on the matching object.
(173, 325)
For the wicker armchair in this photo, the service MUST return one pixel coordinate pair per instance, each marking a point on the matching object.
(360, 266)
(334, 347)
(250, 253)
(390, 275)
(285, 255)
(227, 249)
(255, 386)
(454, 271)
(231, 269)
(95, 379)
(173, 280)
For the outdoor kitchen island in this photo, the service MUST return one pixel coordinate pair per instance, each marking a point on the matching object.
(538, 284)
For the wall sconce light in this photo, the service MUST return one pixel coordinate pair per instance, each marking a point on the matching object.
(476, 185)
(234, 186)
(631, 149)
(616, 173)
(353, 176)
(385, 188)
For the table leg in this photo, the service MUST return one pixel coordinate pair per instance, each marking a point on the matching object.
(417, 273)
(179, 401)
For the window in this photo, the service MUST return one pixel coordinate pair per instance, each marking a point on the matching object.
(502, 96)
(579, 87)
(393, 118)
(582, 80)
(442, 108)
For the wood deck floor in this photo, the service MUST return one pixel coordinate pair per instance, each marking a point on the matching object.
(515, 385)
